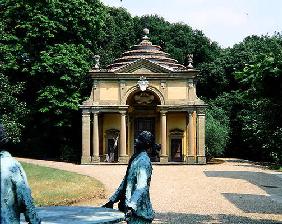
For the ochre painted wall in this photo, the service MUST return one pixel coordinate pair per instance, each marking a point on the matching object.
(176, 90)
(109, 91)
(155, 84)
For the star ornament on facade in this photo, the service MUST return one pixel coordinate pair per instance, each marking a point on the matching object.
(143, 83)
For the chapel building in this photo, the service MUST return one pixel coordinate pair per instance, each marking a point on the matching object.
(145, 89)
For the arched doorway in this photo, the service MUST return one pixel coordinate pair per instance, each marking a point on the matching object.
(143, 114)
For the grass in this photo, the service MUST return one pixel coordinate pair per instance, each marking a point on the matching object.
(53, 187)
(276, 167)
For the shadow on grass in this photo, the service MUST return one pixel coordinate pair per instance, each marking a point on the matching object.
(181, 218)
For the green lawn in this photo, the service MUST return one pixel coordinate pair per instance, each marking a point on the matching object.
(51, 187)
(276, 167)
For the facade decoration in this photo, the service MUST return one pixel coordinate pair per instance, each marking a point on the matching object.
(143, 83)
(145, 89)
(144, 98)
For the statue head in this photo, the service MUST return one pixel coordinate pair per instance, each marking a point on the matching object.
(144, 141)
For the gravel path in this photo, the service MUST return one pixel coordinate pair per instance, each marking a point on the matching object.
(235, 191)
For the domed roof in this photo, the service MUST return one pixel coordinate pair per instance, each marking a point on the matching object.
(146, 51)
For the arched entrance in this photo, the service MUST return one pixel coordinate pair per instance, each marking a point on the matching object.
(143, 114)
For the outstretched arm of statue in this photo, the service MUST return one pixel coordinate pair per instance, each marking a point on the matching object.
(117, 195)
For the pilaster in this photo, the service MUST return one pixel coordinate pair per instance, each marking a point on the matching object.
(201, 123)
(95, 156)
(191, 156)
(164, 156)
(85, 155)
(123, 157)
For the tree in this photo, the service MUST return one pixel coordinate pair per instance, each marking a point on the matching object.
(117, 36)
(245, 82)
(217, 131)
(179, 39)
(262, 119)
(52, 43)
(13, 109)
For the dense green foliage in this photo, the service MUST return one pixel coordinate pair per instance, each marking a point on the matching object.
(261, 117)
(217, 131)
(252, 74)
(46, 49)
(49, 49)
(12, 110)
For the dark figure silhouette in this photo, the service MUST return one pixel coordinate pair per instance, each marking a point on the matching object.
(133, 193)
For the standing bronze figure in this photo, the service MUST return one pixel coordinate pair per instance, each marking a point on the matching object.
(15, 193)
(133, 193)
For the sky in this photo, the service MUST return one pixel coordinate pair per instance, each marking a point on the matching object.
(224, 21)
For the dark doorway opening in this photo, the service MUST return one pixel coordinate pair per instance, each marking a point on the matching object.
(176, 150)
(144, 124)
(112, 145)
(112, 150)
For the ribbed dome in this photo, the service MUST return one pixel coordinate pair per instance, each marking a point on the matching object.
(146, 50)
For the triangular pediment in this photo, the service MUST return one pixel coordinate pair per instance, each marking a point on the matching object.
(142, 66)
(142, 70)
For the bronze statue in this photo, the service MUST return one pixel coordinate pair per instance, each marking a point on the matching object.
(133, 193)
(15, 192)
